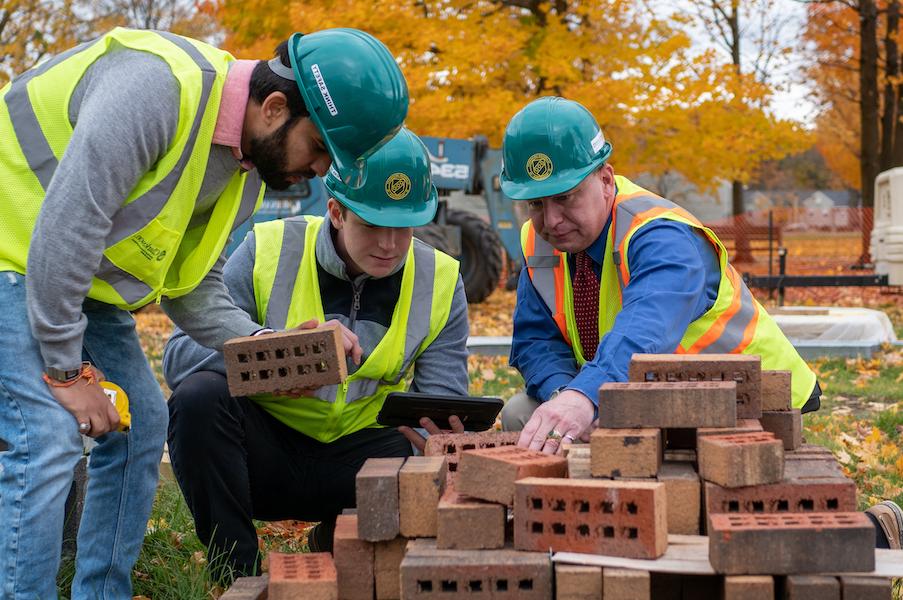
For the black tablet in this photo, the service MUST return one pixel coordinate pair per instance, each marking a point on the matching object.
(478, 413)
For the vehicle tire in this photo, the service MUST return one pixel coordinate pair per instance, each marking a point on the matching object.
(481, 254)
(433, 235)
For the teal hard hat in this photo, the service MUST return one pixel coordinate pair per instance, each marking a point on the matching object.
(396, 189)
(550, 146)
(353, 89)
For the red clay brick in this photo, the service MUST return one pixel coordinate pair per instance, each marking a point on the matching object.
(247, 588)
(387, 558)
(742, 459)
(421, 482)
(811, 587)
(811, 465)
(451, 445)
(667, 405)
(865, 588)
(490, 473)
(469, 524)
(598, 516)
(625, 452)
(353, 561)
(428, 573)
(743, 426)
(749, 587)
(683, 491)
(786, 425)
(376, 489)
(775, 390)
(308, 576)
(575, 582)
(743, 369)
(288, 360)
(836, 494)
(782, 544)
(626, 584)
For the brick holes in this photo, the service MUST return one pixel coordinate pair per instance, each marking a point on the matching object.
(299, 351)
(536, 527)
(245, 376)
(583, 530)
(282, 371)
(449, 585)
(559, 505)
(501, 585)
(582, 506)
(631, 508)
(243, 358)
(424, 585)
(733, 506)
(452, 467)
(783, 506)
(608, 531)
(833, 504)
(525, 584)
(608, 507)
(263, 355)
(558, 528)
(807, 504)
(281, 353)
(474, 585)
(630, 533)
(758, 506)
(537, 503)
(265, 373)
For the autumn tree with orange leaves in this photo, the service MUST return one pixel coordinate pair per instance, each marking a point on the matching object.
(471, 65)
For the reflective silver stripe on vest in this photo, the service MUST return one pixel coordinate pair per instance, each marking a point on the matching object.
(290, 255)
(134, 216)
(31, 138)
(732, 335)
(130, 288)
(249, 194)
(544, 261)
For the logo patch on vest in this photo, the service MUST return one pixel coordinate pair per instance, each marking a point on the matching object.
(147, 249)
(398, 186)
(539, 166)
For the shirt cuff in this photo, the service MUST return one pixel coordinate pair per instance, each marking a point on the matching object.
(554, 383)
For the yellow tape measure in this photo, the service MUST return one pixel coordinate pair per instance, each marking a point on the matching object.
(120, 400)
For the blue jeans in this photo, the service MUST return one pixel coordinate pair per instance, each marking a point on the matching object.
(36, 470)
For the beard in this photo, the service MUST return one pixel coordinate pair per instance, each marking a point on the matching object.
(270, 156)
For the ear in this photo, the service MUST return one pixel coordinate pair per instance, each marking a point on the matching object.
(607, 176)
(334, 210)
(274, 109)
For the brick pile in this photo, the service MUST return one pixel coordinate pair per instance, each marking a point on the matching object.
(691, 445)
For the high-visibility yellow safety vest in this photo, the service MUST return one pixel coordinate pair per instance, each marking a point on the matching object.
(736, 323)
(152, 249)
(287, 293)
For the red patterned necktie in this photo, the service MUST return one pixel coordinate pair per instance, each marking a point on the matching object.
(586, 304)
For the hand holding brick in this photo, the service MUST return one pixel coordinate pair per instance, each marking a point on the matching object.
(288, 360)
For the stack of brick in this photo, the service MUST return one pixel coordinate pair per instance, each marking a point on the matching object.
(691, 443)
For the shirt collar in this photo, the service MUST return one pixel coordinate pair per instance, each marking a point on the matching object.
(231, 116)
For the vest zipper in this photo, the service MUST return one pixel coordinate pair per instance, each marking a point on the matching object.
(358, 287)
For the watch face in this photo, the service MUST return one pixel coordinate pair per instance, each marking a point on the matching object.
(61, 375)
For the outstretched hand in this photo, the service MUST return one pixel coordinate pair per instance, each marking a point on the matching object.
(419, 441)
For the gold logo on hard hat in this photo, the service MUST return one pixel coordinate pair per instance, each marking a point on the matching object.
(539, 166)
(398, 186)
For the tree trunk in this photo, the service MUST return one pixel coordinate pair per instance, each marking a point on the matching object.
(889, 117)
(868, 112)
(742, 251)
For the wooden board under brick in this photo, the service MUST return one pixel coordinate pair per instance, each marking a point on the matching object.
(451, 445)
(743, 369)
(783, 544)
(625, 452)
(776, 390)
(786, 425)
(741, 460)
(353, 560)
(428, 573)
(490, 473)
(302, 576)
(376, 490)
(466, 523)
(283, 361)
(683, 491)
(667, 405)
(617, 518)
(421, 482)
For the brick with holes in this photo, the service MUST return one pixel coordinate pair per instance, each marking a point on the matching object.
(451, 445)
(743, 369)
(598, 516)
(683, 491)
(668, 405)
(786, 425)
(387, 558)
(353, 560)
(421, 482)
(283, 361)
(247, 588)
(466, 523)
(626, 584)
(749, 587)
(785, 544)
(308, 576)
(576, 582)
(776, 390)
(376, 489)
(865, 588)
(490, 473)
(811, 587)
(742, 459)
(625, 452)
(829, 494)
(429, 573)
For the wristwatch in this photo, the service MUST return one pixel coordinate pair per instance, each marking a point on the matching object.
(63, 375)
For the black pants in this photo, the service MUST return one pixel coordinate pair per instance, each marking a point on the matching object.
(234, 462)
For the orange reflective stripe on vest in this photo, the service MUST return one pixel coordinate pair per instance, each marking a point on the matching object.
(545, 265)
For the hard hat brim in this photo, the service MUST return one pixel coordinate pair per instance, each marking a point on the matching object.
(555, 185)
(401, 215)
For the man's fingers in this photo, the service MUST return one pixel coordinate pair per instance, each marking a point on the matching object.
(541, 434)
(456, 425)
(412, 436)
(526, 435)
(352, 345)
(310, 324)
(430, 427)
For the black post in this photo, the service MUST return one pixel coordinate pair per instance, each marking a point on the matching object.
(770, 259)
(782, 270)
